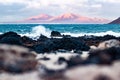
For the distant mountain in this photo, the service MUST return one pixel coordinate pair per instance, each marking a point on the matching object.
(64, 18)
(116, 21)
(38, 18)
(91, 20)
(75, 18)
(67, 17)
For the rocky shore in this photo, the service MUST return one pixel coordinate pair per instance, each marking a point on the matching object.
(61, 57)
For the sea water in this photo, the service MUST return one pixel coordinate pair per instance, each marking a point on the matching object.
(35, 30)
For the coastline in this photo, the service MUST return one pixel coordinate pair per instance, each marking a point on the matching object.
(56, 57)
(56, 41)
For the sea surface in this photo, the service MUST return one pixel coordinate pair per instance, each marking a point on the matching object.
(35, 30)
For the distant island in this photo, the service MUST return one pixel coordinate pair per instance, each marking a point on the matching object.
(64, 18)
(116, 21)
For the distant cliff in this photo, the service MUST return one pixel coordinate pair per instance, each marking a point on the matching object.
(116, 21)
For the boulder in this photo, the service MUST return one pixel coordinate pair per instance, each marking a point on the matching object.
(109, 43)
(16, 59)
(42, 38)
(55, 34)
(9, 34)
(26, 40)
(10, 38)
(104, 56)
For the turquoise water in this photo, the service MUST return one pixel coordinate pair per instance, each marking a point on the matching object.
(34, 30)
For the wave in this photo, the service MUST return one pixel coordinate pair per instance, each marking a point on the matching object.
(117, 34)
(37, 31)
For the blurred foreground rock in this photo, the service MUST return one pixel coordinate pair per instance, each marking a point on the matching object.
(109, 43)
(24, 76)
(64, 58)
(16, 59)
(94, 72)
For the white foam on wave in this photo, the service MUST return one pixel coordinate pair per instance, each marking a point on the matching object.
(1, 33)
(117, 34)
(37, 31)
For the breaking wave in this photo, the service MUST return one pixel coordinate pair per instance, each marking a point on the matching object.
(117, 34)
(37, 31)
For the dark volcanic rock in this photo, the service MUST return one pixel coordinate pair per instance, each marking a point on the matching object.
(106, 56)
(55, 34)
(27, 40)
(117, 21)
(95, 40)
(10, 38)
(63, 43)
(42, 38)
(46, 46)
(73, 44)
(39, 48)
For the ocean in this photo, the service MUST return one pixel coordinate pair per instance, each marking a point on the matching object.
(34, 30)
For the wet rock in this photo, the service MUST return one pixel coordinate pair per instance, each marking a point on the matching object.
(39, 48)
(47, 46)
(73, 44)
(10, 38)
(63, 43)
(55, 34)
(95, 40)
(16, 59)
(108, 37)
(27, 41)
(78, 51)
(42, 38)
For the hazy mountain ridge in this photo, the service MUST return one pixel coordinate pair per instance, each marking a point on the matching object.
(64, 18)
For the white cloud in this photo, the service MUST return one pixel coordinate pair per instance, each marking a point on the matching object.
(96, 6)
(41, 3)
(108, 1)
(83, 7)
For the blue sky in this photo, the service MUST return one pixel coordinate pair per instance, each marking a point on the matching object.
(13, 10)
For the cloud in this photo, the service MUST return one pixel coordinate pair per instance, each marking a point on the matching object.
(27, 8)
(108, 1)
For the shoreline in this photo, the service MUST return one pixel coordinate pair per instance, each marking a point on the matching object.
(56, 39)
(59, 58)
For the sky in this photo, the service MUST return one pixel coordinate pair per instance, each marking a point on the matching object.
(15, 10)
